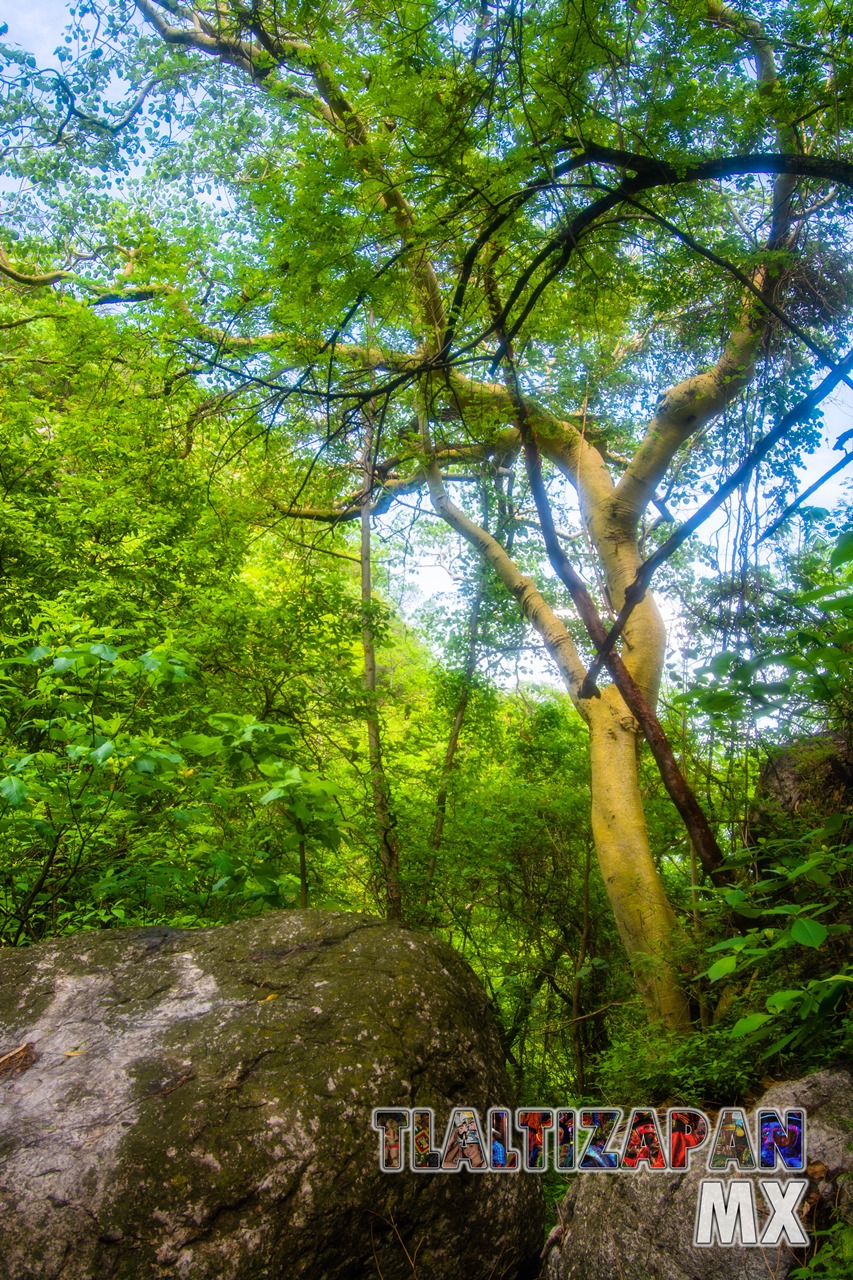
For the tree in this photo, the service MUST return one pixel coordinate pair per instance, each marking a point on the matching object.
(547, 252)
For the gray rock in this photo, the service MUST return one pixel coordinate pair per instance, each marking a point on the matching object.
(639, 1226)
(802, 783)
(196, 1105)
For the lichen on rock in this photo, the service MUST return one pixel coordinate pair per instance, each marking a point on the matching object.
(197, 1105)
(639, 1225)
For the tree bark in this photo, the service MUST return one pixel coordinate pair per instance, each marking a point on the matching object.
(644, 917)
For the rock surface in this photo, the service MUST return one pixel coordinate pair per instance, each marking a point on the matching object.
(800, 785)
(196, 1104)
(639, 1226)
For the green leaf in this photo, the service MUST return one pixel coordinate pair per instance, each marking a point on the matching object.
(781, 1000)
(722, 662)
(102, 753)
(720, 700)
(780, 1044)
(750, 1023)
(275, 793)
(105, 651)
(843, 551)
(722, 968)
(14, 791)
(729, 944)
(808, 932)
(200, 743)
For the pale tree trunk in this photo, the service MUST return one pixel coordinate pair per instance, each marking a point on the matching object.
(386, 826)
(643, 915)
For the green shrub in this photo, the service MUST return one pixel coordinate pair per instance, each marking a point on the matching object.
(650, 1065)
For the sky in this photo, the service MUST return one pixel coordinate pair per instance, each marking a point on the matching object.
(838, 418)
(37, 25)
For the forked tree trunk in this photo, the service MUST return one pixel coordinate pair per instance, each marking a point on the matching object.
(644, 917)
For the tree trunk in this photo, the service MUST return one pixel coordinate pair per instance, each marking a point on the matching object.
(644, 917)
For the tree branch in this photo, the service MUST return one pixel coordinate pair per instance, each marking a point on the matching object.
(557, 640)
(813, 488)
(33, 281)
(692, 243)
(237, 53)
(637, 589)
(697, 825)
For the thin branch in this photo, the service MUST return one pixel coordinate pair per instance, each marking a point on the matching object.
(692, 243)
(789, 510)
(16, 324)
(637, 589)
(97, 123)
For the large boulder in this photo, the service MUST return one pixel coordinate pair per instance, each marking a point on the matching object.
(638, 1226)
(196, 1104)
(801, 785)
